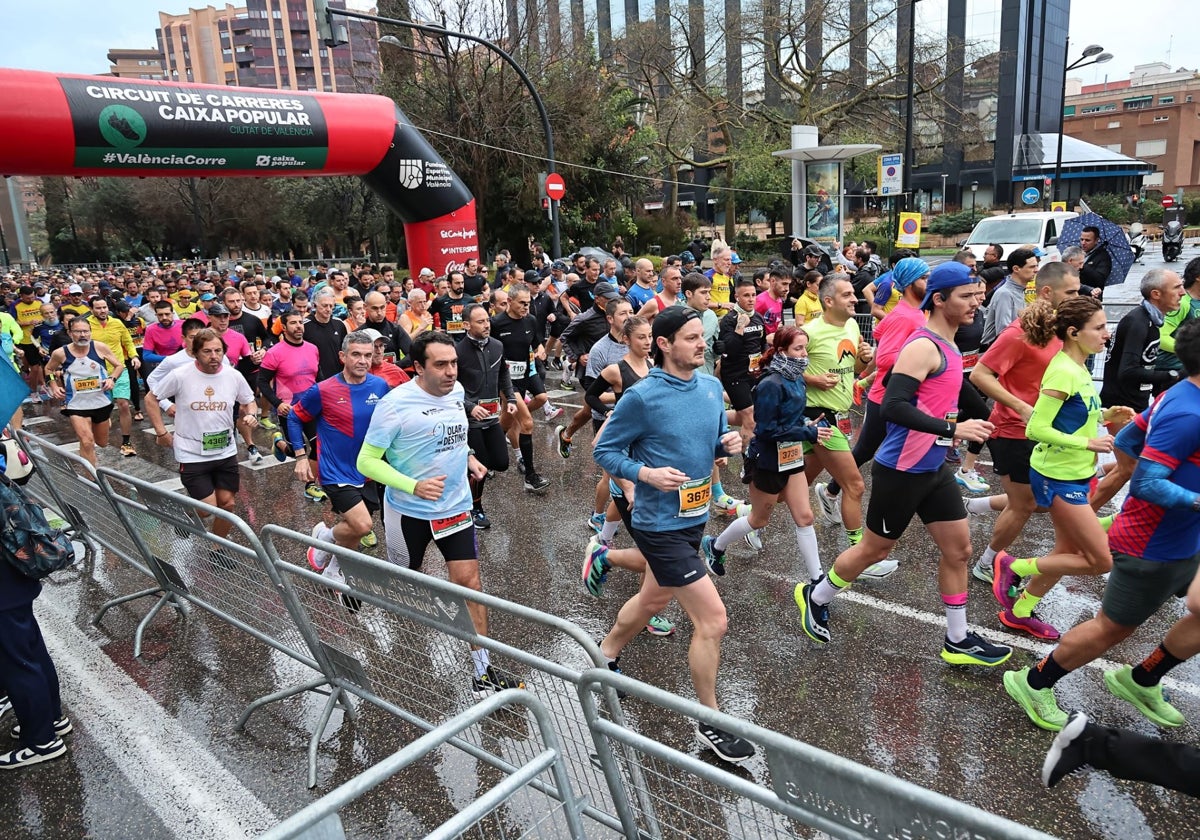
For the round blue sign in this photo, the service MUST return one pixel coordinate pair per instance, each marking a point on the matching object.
(1031, 195)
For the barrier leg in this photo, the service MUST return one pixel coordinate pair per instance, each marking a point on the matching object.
(154, 590)
(145, 622)
(315, 741)
(311, 685)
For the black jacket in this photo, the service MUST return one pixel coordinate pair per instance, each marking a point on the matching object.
(483, 375)
(1096, 268)
(1129, 375)
(584, 331)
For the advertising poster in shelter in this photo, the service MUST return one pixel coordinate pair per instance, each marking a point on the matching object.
(823, 206)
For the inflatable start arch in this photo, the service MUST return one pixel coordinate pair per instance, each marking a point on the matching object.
(66, 125)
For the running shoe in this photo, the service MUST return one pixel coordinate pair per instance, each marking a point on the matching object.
(970, 480)
(369, 540)
(521, 464)
(314, 493)
(536, 483)
(1066, 751)
(494, 680)
(814, 618)
(62, 727)
(318, 559)
(754, 540)
(744, 509)
(552, 412)
(596, 522)
(830, 506)
(1039, 703)
(1032, 625)
(267, 423)
(567, 384)
(953, 456)
(595, 567)
(982, 571)
(1150, 701)
(615, 667)
(713, 558)
(255, 456)
(1004, 580)
(659, 626)
(127, 450)
(727, 505)
(880, 570)
(975, 650)
(481, 519)
(726, 745)
(279, 447)
(564, 443)
(26, 756)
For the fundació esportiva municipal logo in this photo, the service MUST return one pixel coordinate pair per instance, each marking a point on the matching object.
(411, 173)
(122, 127)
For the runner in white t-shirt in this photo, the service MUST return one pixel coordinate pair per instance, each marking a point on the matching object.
(204, 440)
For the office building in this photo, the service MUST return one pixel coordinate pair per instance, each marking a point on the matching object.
(135, 64)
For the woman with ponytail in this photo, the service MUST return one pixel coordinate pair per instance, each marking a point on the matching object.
(774, 461)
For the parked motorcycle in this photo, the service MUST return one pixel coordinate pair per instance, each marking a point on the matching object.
(1172, 241)
(1137, 241)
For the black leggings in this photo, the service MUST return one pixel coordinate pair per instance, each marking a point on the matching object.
(1128, 755)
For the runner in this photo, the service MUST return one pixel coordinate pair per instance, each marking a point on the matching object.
(524, 351)
(1155, 539)
(808, 304)
(1064, 422)
(86, 386)
(769, 304)
(416, 446)
(671, 294)
(112, 332)
(205, 395)
(743, 338)
(910, 475)
(340, 407)
(642, 444)
(237, 351)
(447, 309)
(774, 462)
(581, 336)
(27, 310)
(381, 365)
(836, 353)
(289, 369)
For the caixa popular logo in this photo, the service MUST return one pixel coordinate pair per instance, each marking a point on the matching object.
(411, 173)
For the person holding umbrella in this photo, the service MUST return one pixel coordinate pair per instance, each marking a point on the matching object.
(1097, 264)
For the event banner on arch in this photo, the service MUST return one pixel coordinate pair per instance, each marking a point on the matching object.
(125, 125)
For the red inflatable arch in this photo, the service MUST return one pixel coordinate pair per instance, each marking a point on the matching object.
(69, 125)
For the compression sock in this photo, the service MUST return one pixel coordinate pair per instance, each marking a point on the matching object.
(832, 488)
(525, 442)
(829, 586)
(481, 660)
(718, 490)
(124, 440)
(1025, 568)
(1025, 605)
(989, 555)
(609, 530)
(1154, 667)
(979, 506)
(854, 535)
(956, 616)
(806, 541)
(736, 529)
(1046, 673)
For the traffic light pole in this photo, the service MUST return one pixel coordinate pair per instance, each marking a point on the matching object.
(324, 14)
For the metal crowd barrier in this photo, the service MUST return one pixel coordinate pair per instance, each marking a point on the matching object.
(807, 786)
(405, 650)
(553, 818)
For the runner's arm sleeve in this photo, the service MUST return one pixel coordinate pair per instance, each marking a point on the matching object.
(1151, 482)
(266, 386)
(594, 392)
(970, 403)
(150, 355)
(898, 407)
(371, 463)
(1041, 425)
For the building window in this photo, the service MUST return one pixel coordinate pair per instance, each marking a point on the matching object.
(1095, 109)
(1166, 100)
(1114, 124)
(1150, 148)
(1154, 179)
(1138, 102)
(276, 14)
(1161, 117)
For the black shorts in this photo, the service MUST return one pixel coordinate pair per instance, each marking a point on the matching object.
(896, 496)
(345, 497)
(1137, 588)
(531, 385)
(490, 446)
(1010, 457)
(740, 391)
(408, 537)
(768, 481)
(622, 505)
(203, 479)
(96, 415)
(558, 324)
(673, 556)
(33, 356)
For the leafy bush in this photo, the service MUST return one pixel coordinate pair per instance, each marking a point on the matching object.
(950, 224)
(669, 233)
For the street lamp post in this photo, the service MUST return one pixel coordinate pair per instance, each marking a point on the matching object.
(1096, 53)
(325, 14)
(974, 189)
(944, 177)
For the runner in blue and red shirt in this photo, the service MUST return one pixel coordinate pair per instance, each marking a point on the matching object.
(341, 406)
(1156, 554)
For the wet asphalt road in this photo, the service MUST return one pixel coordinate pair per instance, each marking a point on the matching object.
(154, 753)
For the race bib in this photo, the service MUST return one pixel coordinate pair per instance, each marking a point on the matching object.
(755, 361)
(951, 417)
(492, 407)
(843, 423)
(790, 454)
(455, 324)
(92, 383)
(450, 525)
(215, 441)
(694, 497)
(969, 361)
(516, 370)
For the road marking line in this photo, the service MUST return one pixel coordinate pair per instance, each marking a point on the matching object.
(176, 775)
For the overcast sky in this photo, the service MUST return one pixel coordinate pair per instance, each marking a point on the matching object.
(74, 36)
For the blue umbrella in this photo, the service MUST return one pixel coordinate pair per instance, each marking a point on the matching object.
(1112, 237)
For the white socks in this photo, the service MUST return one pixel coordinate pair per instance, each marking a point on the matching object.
(609, 530)
(806, 540)
(737, 529)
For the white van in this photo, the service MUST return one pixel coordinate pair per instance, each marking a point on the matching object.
(1013, 230)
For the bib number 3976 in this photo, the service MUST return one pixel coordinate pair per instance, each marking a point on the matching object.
(694, 497)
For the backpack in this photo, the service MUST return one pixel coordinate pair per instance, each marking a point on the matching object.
(27, 541)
